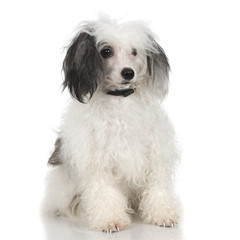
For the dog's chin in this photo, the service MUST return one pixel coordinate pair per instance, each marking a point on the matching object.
(116, 86)
(126, 83)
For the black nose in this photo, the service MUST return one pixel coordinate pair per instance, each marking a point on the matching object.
(127, 73)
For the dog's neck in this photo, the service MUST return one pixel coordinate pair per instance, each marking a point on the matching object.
(122, 92)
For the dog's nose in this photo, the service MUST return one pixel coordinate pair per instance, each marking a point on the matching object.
(127, 73)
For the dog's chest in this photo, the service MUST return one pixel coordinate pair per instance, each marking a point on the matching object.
(122, 121)
(124, 131)
(118, 137)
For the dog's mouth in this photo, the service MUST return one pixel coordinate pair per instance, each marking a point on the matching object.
(110, 86)
(125, 83)
(123, 88)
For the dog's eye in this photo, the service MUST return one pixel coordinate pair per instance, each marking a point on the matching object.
(106, 52)
(134, 52)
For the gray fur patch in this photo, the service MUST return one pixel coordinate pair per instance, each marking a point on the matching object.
(159, 60)
(55, 158)
(74, 205)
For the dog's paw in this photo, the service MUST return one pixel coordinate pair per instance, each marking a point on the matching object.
(162, 217)
(112, 228)
(116, 226)
(112, 224)
(166, 223)
(162, 211)
(163, 221)
(167, 217)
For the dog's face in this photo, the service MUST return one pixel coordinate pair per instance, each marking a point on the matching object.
(107, 57)
(122, 66)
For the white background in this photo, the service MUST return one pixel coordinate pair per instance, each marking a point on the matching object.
(202, 41)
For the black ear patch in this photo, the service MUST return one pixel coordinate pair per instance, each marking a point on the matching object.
(149, 65)
(157, 61)
(158, 68)
(83, 67)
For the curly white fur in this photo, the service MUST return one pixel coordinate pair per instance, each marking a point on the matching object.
(118, 154)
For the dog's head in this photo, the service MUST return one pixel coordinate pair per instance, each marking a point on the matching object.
(109, 56)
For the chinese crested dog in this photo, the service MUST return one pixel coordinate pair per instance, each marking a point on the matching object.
(116, 151)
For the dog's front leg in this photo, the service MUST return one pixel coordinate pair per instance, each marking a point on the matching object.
(104, 206)
(159, 204)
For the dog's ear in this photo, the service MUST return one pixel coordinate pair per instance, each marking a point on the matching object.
(83, 67)
(158, 69)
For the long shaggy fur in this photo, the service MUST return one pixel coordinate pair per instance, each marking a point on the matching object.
(114, 155)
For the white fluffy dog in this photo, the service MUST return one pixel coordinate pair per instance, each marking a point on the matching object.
(115, 153)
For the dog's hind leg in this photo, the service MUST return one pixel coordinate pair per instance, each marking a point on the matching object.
(61, 196)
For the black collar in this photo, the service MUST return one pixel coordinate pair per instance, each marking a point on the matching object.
(122, 92)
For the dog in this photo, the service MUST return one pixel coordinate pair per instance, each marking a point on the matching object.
(116, 151)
